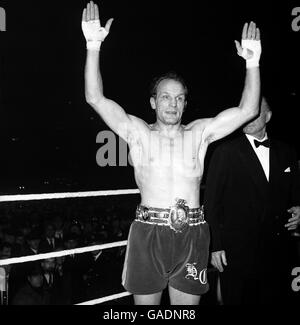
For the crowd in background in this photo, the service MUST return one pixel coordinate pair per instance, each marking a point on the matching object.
(42, 227)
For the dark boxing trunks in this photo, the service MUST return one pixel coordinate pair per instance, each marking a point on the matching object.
(157, 255)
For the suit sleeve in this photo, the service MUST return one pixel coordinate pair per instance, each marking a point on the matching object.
(213, 196)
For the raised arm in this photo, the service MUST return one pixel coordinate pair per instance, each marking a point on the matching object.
(229, 120)
(112, 113)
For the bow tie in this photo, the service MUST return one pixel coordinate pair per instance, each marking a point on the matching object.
(265, 143)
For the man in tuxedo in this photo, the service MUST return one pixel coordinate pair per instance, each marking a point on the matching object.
(252, 204)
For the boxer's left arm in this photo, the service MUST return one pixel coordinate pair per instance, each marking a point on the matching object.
(230, 119)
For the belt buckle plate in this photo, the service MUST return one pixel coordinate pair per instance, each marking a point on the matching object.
(143, 213)
(179, 216)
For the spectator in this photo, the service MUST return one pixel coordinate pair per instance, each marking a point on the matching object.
(18, 273)
(103, 275)
(33, 292)
(33, 243)
(59, 227)
(76, 229)
(48, 267)
(48, 241)
(9, 236)
(5, 252)
(25, 229)
(60, 289)
(19, 243)
(73, 267)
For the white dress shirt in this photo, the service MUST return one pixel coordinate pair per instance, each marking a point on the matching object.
(51, 242)
(262, 152)
(34, 250)
(96, 256)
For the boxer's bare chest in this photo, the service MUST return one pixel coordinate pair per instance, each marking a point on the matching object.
(180, 155)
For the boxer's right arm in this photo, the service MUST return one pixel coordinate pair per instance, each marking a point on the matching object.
(112, 113)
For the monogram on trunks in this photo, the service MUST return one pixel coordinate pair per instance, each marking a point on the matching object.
(177, 217)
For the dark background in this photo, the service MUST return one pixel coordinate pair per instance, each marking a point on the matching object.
(48, 132)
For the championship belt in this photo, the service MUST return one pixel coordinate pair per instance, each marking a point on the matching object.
(179, 216)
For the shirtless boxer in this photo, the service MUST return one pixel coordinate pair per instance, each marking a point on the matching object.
(169, 239)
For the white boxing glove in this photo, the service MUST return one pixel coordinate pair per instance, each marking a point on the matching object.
(94, 34)
(250, 51)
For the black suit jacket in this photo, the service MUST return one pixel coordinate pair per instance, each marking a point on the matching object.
(45, 247)
(246, 213)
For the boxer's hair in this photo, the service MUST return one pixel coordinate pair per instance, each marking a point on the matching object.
(169, 75)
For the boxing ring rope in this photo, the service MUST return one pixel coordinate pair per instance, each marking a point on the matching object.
(104, 299)
(30, 258)
(80, 250)
(64, 195)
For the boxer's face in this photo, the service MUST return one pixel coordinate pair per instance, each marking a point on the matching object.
(169, 102)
